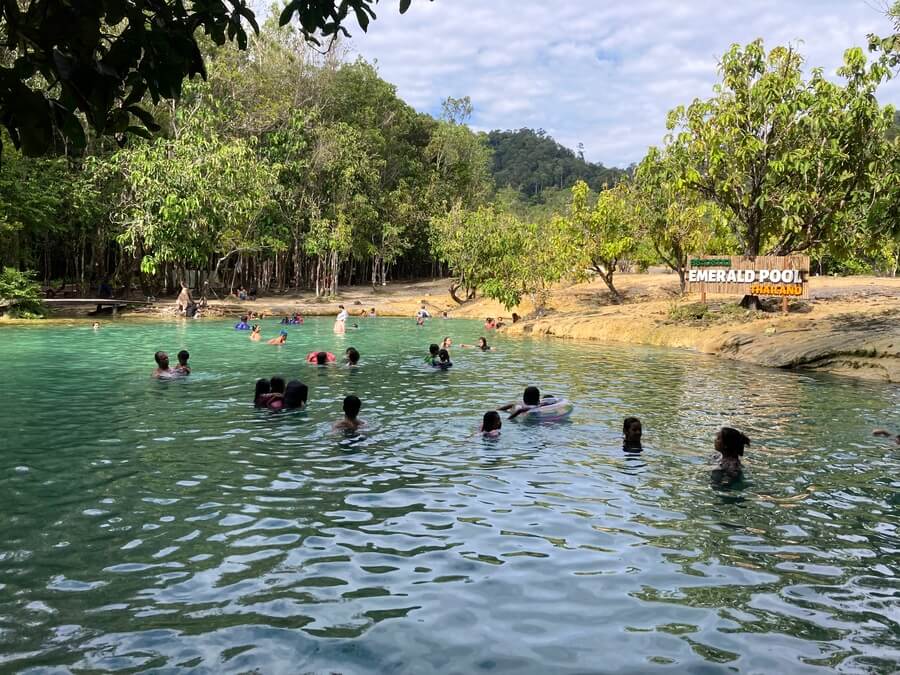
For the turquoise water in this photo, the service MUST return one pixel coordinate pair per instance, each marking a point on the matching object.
(171, 526)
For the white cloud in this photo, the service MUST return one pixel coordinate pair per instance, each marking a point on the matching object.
(602, 73)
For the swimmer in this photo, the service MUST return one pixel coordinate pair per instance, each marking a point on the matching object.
(352, 357)
(351, 421)
(320, 358)
(342, 314)
(444, 315)
(531, 399)
(255, 335)
(730, 444)
(242, 324)
(298, 319)
(263, 388)
(422, 314)
(372, 313)
(631, 434)
(295, 395)
(443, 360)
(162, 366)
(96, 325)
(274, 400)
(491, 424)
(433, 350)
(280, 340)
(446, 343)
(884, 433)
(183, 368)
(482, 345)
(489, 324)
(285, 321)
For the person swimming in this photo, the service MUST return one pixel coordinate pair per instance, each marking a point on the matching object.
(730, 443)
(482, 345)
(255, 335)
(443, 361)
(531, 399)
(183, 368)
(351, 421)
(320, 358)
(263, 388)
(295, 395)
(884, 433)
(96, 325)
(274, 400)
(432, 357)
(631, 435)
(352, 357)
(162, 366)
(242, 324)
(280, 340)
(446, 343)
(491, 423)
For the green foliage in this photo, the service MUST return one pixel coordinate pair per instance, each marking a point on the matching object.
(105, 56)
(786, 158)
(531, 162)
(598, 237)
(688, 312)
(21, 293)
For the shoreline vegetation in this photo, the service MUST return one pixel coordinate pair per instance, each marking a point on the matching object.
(850, 325)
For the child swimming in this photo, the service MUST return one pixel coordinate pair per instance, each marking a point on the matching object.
(443, 360)
(280, 340)
(255, 335)
(352, 357)
(183, 368)
(432, 357)
(491, 424)
(351, 421)
(531, 399)
(631, 435)
(730, 443)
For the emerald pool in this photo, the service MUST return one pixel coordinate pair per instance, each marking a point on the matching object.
(170, 526)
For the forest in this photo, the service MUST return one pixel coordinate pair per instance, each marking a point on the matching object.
(291, 167)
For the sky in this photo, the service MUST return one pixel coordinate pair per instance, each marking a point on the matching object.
(604, 73)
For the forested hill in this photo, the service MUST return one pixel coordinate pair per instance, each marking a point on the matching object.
(531, 161)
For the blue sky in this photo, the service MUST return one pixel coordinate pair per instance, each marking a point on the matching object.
(601, 72)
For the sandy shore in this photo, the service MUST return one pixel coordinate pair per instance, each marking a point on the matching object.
(850, 325)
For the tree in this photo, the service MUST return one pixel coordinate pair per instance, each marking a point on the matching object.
(599, 237)
(785, 158)
(97, 60)
(674, 220)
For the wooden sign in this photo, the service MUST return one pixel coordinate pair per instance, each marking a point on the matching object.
(782, 276)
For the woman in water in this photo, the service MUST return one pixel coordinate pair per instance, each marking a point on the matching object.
(295, 395)
(280, 340)
(263, 388)
(352, 355)
(255, 335)
(482, 345)
(491, 424)
(730, 443)
(446, 343)
(631, 434)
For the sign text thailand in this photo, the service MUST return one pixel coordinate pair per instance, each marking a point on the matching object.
(786, 276)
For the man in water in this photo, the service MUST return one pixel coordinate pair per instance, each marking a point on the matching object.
(162, 367)
(351, 421)
(422, 314)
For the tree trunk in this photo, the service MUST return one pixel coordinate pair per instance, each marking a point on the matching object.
(454, 286)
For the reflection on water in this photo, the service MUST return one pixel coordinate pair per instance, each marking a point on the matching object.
(171, 525)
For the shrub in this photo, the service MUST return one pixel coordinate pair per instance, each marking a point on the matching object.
(693, 312)
(21, 292)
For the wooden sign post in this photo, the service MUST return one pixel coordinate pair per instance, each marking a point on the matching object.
(780, 276)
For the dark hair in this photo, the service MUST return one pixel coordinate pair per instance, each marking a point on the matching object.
(532, 396)
(157, 359)
(352, 355)
(433, 349)
(277, 384)
(262, 387)
(321, 358)
(484, 347)
(444, 355)
(733, 442)
(244, 319)
(183, 356)
(340, 306)
(491, 421)
(295, 394)
(628, 422)
(352, 404)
